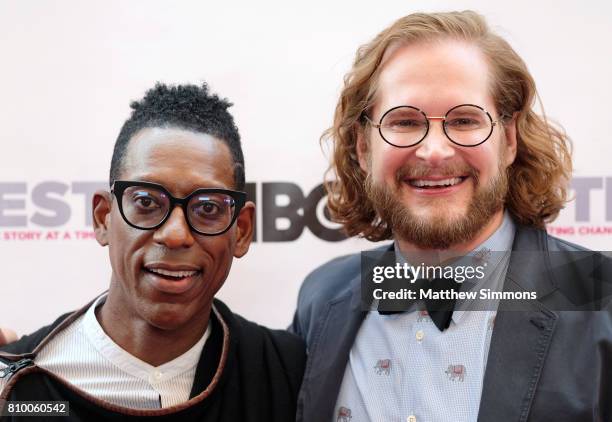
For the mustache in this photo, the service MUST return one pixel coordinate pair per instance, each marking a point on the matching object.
(417, 171)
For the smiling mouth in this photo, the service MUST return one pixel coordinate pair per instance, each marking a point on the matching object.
(436, 184)
(174, 275)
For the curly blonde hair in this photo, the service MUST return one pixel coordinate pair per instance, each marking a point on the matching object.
(539, 176)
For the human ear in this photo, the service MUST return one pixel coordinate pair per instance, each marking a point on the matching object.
(101, 206)
(245, 224)
(510, 146)
(362, 151)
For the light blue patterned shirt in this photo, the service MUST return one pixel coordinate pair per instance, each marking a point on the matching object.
(402, 368)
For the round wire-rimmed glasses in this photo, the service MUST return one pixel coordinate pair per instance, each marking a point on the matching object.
(466, 125)
(147, 206)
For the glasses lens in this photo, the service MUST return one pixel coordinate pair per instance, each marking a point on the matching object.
(211, 213)
(468, 125)
(403, 126)
(144, 207)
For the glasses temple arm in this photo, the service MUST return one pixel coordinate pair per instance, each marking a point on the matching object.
(377, 126)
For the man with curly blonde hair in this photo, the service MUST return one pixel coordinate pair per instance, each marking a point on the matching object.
(436, 146)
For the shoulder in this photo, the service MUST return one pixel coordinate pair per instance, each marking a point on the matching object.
(531, 238)
(252, 337)
(554, 244)
(331, 282)
(28, 343)
(280, 342)
(579, 278)
(328, 279)
(25, 345)
(332, 279)
(273, 357)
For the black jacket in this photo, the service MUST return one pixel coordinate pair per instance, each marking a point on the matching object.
(246, 373)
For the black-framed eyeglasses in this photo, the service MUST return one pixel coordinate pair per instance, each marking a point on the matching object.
(147, 206)
(466, 125)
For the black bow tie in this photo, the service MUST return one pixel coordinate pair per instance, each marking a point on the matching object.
(440, 310)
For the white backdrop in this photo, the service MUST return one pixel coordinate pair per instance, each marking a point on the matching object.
(69, 69)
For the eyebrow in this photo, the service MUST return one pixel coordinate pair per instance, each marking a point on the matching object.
(150, 178)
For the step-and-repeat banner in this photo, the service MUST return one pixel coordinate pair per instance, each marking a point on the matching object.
(69, 70)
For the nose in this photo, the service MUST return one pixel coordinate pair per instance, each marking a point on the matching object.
(436, 147)
(175, 232)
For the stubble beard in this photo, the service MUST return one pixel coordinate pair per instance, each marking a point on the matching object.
(438, 230)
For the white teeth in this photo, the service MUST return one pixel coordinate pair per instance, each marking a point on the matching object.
(445, 182)
(177, 274)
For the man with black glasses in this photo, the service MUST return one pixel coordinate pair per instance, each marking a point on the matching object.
(477, 314)
(158, 343)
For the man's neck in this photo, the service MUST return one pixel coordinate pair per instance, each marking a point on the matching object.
(442, 255)
(143, 340)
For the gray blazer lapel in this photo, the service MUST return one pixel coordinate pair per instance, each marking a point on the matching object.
(520, 339)
(329, 354)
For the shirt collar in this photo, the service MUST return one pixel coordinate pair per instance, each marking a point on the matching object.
(130, 364)
(490, 253)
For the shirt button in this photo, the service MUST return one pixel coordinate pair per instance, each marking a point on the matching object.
(419, 336)
(157, 375)
(411, 418)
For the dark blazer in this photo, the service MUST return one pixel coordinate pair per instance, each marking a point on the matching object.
(543, 364)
